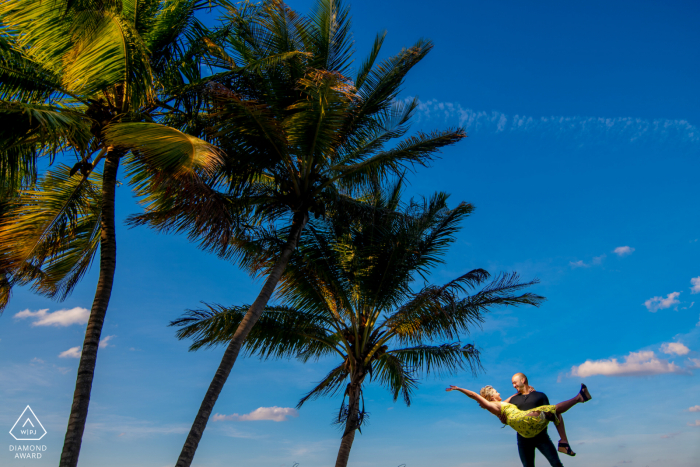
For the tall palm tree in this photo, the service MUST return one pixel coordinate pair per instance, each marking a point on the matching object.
(299, 136)
(84, 79)
(348, 293)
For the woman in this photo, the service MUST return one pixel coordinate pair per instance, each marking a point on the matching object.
(527, 423)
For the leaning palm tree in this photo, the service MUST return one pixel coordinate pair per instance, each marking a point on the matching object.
(348, 293)
(84, 80)
(299, 137)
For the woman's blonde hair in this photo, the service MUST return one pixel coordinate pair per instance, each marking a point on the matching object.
(487, 392)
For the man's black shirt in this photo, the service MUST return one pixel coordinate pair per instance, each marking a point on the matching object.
(541, 441)
(529, 401)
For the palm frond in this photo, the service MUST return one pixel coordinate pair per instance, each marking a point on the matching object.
(281, 332)
(391, 373)
(50, 235)
(123, 59)
(440, 359)
(417, 150)
(439, 313)
(368, 64)
(331, 39)
(163, 149)
(383, 82)
(328, 386)
(22, 78)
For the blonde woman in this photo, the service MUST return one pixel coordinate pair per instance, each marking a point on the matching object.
(527, 423)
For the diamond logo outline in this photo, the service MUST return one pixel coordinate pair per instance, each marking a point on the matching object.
(20, 418)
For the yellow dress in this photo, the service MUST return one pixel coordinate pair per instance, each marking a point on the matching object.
(528, 427)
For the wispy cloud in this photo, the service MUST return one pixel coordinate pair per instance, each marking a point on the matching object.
(75, 315)
(695, 282)
(73, 352)
(693, 363)
(636, 364)
(695, 408)
(597, 260)
(671, 435)
(132, 428)
(623, 250)
(697, 423)
(655, 304)
(574, 127)
(276, 414)
(674, 348)
(232, 432)
(104, 342)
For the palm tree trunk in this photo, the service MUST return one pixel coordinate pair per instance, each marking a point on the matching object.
(234, 347)
(350, 423)
(88, 357)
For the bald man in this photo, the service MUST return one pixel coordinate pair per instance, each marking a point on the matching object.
(527, 399)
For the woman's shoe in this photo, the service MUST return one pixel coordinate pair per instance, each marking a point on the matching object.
(566, 449)
(584, 393)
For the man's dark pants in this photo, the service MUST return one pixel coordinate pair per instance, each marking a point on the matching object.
(527, 446)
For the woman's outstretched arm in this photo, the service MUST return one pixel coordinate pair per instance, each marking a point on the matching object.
(491, 406)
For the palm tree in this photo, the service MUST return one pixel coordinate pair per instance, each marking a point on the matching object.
(84, 79)
(348, 293)
(299, 136)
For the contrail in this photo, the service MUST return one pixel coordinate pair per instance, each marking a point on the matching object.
(633, 130)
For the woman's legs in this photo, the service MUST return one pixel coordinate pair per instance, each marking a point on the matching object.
(566, 405)
(562, 431)
(564, 446)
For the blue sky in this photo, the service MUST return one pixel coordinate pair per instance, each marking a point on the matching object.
(582, 161)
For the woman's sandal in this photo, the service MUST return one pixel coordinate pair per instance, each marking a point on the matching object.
(566, 449)
(584, 393)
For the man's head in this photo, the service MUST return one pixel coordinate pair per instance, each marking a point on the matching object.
(520, 383)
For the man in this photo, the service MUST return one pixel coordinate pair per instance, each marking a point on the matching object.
(527, 399)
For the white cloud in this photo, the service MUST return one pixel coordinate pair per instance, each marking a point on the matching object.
(37, 360)
(623, 250)
(636, 364)
(695, 282)
(75, 315)
(655, 304)
(594, 262)
(276, 414)
(674, 348)
(73, 352)
(104, 342)
(697, 423)
(695, 408)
